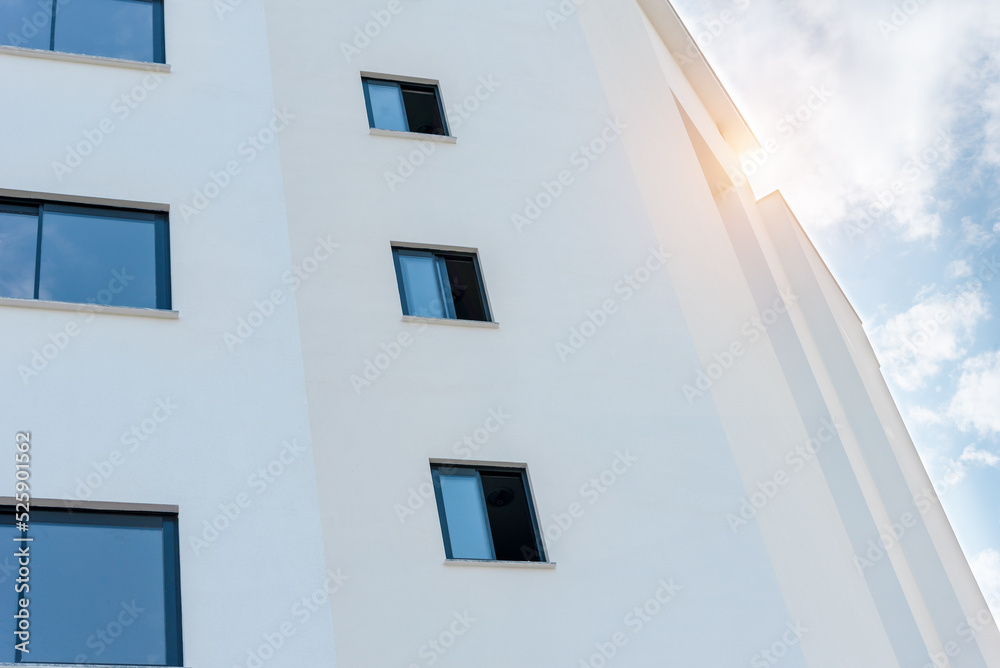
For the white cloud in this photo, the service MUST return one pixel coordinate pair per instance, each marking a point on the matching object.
(976, 404)
(975, 235)
(894, 92)
(958, 269)
(972, 455)
(986, 568)
(956, 470)
(924, 416)
(914, 345)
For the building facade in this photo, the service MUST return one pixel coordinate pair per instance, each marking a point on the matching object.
(434, 333)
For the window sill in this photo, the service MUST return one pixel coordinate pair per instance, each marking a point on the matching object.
(81, 58)
(543, 565)
(445, 139)
(90, 308)
(451, 321)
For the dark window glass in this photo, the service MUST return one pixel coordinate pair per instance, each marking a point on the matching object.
(466, 292)
(104, 589)
(128, 29)
(510, 516)
(403, 106)
(26, 23)
(486, 514)
(18, 247)
(95, 255)
(440, 284)
(423, 111)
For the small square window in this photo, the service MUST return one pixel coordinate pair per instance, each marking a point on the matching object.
(404, 107)
(104, 588)
(486, 513)
(84, 254)
(126, 29)
(440, 284)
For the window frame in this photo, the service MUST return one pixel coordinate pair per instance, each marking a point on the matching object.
(439, 253)
(399, 83)
(160, 220)
(84, 515)
(476, 469)
(159, 36)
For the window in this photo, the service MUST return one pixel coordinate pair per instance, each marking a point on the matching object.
(405, 107)
(84, 254)
(440, 284)
(486, 513)
(127, 29)
(104, 588)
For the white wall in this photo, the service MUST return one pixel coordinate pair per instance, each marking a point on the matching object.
(234, 411)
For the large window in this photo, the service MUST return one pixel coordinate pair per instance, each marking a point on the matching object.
(440, 284)
(104, 588)
(84, 254)
(486, 513)
(404, 107)
(127, 29)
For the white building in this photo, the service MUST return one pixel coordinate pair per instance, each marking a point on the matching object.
(530, 382)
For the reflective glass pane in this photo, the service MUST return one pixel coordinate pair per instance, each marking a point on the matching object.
(91, 259)
(465, 512)
(112, 28)
(422, 285)
(97, 594)
(387, 106)
(26, 23)
(18, 245)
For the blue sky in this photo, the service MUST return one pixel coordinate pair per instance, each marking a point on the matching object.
(886, 117)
